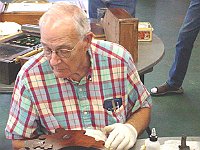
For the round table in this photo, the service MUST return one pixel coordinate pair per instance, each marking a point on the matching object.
(149, 54)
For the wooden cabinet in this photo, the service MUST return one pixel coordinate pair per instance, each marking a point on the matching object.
(120, 27)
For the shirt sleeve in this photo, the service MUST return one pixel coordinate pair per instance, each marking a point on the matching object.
(138, 96)
(22, 116)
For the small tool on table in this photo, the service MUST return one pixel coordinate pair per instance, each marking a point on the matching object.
(183, 145)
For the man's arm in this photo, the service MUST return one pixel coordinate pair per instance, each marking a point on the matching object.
(140, 119)
(17, 144)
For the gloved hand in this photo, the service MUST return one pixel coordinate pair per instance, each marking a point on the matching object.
(97, 134)
(121, 136)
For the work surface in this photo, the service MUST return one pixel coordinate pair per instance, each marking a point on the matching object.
(162, 140)
(149, 54)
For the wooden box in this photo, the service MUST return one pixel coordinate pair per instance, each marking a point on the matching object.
(120, 27)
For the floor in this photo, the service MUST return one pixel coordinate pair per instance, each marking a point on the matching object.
(176, 114)
(172, 115)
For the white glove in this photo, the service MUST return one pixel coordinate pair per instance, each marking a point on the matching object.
(97, 134)
(121, 136)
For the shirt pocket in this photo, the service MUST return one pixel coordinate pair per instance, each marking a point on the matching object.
(115, 110)
(120, 114)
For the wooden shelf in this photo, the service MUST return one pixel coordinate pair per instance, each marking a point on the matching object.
(22, 17)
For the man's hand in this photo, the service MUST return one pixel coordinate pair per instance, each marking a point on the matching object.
(121, 136)
(97, 134)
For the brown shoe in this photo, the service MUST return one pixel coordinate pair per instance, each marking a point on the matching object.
(165, 89)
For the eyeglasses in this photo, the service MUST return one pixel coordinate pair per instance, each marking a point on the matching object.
(62, 53)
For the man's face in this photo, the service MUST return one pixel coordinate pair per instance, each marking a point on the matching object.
(56, 37)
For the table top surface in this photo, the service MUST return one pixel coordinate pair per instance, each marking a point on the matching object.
(140, 142)
(149, 54)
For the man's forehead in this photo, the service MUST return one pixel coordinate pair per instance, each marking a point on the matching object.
(51, 22)
(59, 28)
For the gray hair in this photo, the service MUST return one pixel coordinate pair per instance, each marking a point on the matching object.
(63, 10)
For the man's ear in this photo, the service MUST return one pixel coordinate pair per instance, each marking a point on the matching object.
(88, 39)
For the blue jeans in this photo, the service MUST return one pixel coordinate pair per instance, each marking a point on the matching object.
(128, 5)
(186, 38)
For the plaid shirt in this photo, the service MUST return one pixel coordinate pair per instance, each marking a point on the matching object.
(40, 100)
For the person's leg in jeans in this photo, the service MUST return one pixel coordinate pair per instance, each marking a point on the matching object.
(92, 7)
(128, 5)
(187, 36)
(186, 39)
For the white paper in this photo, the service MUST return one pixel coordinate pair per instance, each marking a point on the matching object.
(28, 7)
(7, 28)
(173, 145)
(79, 3)
(38, 7)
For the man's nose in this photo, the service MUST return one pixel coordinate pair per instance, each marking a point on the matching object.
(55, 59)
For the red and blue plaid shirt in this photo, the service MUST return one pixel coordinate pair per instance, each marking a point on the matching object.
(40, 100)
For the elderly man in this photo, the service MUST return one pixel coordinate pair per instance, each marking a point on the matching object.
(78, 83)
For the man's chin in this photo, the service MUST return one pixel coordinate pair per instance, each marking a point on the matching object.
(60, 75)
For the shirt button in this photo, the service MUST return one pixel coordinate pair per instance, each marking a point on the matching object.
(80, 89)
(85, 112)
